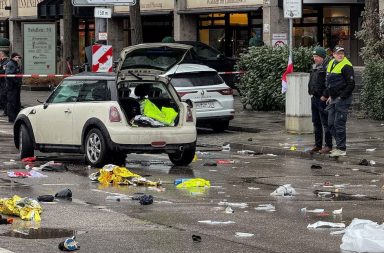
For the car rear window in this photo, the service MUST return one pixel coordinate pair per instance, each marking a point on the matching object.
(196, 79)
(161, 58)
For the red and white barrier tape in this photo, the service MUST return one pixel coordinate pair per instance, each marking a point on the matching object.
(231, 72)
(34, 75)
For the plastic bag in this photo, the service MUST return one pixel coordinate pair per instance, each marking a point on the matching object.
(285, 190)
(195, 182)
(363, 236)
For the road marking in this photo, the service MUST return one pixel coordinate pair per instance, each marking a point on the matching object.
(5, 251)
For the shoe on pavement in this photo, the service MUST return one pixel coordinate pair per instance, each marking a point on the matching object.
(337, 153)
(315, 150)
(325, 150)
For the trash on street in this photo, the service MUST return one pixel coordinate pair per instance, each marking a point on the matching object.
(23, 174)
(318, 210)
(363, 236)
(225, 161)
(325, 224)
(266, 207)
(240, 205)
(46, 198)
(338, 211)
(64, 194)
(69, 244)
(53, 166)
(226, 148)
(246, 152)
(229, 210)
(212, 164)
(25, 208)
(370, 149)
(196, 238)
(316, 167)
(211, 222)
(5, 221)
(241, 234)
(284, 190)
(253, 188)
(180, 180)
(194, 182)
(272, 155)
(29, 159)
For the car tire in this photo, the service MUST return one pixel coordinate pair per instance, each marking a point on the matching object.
(183, 158)
(25, 143)
(220, 126)
(118, 159)
(95, 148)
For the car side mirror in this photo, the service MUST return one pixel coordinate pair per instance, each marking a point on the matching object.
(45, 105)
(189, 102)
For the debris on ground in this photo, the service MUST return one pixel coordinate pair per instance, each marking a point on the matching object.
(5, 221)
(180, 180)
(120, 175)
(52, 166)
(246, 152)
(250, 139)
(194, 182)
(284, 190)
(253, 188)
(272, 155)
(240, 205)
(69, 244)
(211, 222)
(25, 208)
(196, 238)
(225, 161)
(293, 148)
(338, 211)
(226, 148)
(370, 149)
(46, 198)
(23, 174)
(64, 194)
(365, 162)
(212, 164)
(316, 167)
(305, 210)
(241, 234)
(325, 224)
(266, 207)
(146, 200)
(229, 210)
(29, 159)
(363, 236)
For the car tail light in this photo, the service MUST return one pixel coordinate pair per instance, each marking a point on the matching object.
(158, 144)
(114, 115)
(189, 114)
(228, 91)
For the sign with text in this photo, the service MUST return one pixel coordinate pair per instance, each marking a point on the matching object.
(293, 8)
(279, 39)
(102, 2)
(103, 12)
(4, 13)
(221, 3)
(150, 5)
(39, 48)
(28, 8)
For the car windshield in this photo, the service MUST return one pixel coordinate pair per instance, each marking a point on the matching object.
(161, 58)
(196, 79)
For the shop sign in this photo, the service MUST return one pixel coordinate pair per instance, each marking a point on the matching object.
(103, 12)
(279, 39)
(149, 5)
(4, 13)
(293, 8)
(28, 8)
(39, 48)
(191, 4)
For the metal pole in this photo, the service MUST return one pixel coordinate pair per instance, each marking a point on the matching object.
(290, 36)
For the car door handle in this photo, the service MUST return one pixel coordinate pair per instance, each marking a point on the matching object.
(68, 111)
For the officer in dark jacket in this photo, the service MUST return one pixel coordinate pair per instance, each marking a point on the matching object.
(340, 84)
(3, 85)
(317, 89)
(13, 86)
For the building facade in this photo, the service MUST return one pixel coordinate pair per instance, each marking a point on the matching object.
(226, 25)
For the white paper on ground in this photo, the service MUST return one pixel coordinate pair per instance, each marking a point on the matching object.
(370, 149)
(318, 210)
(266, 207)
(253, 188)
(241, 205)
(211, 222)
(338, 211)
(229, 210)
(325, 224)
(241, 234)
(363, 236)
(284, 190)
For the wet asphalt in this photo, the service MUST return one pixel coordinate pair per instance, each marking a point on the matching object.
(168, 224)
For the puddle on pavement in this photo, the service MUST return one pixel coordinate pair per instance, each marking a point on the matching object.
(42, 233)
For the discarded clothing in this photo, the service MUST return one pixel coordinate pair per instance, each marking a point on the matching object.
(25, 208)
(195, 182)
(29, 159)
(285, 190)
(120, 175)
(166, 115)
(146, 200)
(53, 166)
(69, 245)
(64, 194)
(363, 236)
(22, 174)
(45, 198)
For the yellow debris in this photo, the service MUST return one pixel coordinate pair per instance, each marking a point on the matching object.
(25, 208)
(195, 182)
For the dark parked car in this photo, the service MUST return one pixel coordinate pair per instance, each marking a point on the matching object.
(206, 55)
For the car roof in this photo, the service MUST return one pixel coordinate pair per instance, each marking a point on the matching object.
(149, 45)
(189, 68)
(92, 76)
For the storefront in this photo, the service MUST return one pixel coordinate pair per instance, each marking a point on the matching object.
(328, 25)
(4, 18)
(226, 25)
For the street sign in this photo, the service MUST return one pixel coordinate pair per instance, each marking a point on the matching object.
(79, 3)
(102, 60)
(103, 36)
(103, 12)
(293, 8)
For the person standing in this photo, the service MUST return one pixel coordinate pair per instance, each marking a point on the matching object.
(13, 67)
(340, 84)
(3, 85)
(317, 89)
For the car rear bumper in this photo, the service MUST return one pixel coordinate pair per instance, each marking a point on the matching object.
(135, 148)
(214, 119)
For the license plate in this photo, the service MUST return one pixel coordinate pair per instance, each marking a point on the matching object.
(205, 105)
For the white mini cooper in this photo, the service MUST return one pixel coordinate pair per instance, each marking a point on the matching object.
(99, 115)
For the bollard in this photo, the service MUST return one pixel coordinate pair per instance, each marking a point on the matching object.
(298, 115)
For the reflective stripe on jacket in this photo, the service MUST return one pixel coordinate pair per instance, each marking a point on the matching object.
(336, 82)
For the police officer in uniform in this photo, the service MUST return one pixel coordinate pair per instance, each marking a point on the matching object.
(13, 86)
(3, 85)
(340, 84)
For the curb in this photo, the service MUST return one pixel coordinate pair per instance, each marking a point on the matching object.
(298, 154)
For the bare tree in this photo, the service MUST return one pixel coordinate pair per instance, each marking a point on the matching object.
(136, 26)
